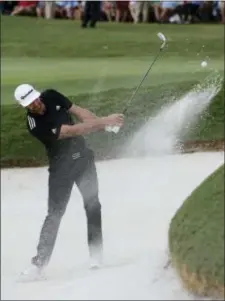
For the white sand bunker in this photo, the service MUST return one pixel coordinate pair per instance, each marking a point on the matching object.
(139, 198)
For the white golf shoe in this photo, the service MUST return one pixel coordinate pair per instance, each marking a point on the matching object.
(95, 263)
(96, 260)
(32, 273)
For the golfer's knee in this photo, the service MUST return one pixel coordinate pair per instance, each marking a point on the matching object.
(92, 205)
(56, 211)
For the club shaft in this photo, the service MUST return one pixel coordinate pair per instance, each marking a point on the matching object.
(144, 77)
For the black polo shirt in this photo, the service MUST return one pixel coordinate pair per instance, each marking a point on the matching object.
(46, 129)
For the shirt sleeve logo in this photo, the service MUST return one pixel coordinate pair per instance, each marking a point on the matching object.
(31, 122)
(54, 131)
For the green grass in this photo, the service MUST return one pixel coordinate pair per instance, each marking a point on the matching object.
(60, 38)
(77, 76)
(99, 69)
(211, 123)
(196, 236)
(59, 53)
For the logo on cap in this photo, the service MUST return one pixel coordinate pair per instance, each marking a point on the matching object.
(28, 93)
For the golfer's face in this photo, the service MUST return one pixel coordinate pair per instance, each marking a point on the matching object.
(36, 106)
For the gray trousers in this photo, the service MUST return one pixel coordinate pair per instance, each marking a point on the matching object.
(84, 175)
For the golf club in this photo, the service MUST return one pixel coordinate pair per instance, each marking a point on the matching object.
(161, 36)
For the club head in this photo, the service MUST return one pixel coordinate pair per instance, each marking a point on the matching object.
(162, 38)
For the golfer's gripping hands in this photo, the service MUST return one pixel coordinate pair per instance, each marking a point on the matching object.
(92, 125)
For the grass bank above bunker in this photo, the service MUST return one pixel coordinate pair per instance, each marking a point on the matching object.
(18, 148)
(196, 238)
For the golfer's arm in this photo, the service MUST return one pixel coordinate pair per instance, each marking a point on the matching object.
(83, 128)
(81, 113)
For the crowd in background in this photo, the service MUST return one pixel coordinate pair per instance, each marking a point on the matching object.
(179, 12)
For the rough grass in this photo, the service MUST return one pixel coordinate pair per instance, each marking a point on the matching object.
(196, 238)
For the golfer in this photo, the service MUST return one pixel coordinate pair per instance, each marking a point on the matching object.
(49, 119)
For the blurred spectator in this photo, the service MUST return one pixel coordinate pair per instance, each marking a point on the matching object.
(180, 12)
(1, 6)
(206, 11)
(221, 6)
(45, 9)
(167, 9)
(108, 10)
(60, 8)
(122, 10)
(68, 9)
(133, 10)
(24, 7)
(142, 8)
(40, 9)
(92, 10)
(49, 9)
(7, 6)
(186, 12)
(191, 11)
(157, 10)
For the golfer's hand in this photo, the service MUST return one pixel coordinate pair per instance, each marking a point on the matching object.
(115, 120)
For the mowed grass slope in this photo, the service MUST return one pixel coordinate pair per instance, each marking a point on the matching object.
(60, 38)
(196, 238)
(75, 60)
(100, 68)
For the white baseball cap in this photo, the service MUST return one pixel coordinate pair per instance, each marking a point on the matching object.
(25, 94)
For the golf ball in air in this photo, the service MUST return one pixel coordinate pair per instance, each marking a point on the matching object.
(204, 64)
